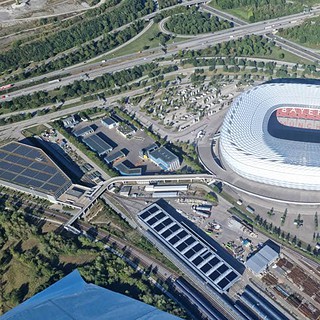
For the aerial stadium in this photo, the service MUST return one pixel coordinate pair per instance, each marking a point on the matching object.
(271, 134)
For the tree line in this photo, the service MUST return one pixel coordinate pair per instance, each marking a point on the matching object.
(43, 264)
(87, 51)
(195, 22)
(78, 88)
(258, 10)
(75, 35)
(307, 33)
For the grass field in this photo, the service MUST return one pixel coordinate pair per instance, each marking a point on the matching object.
(36, 130)
(141, 42)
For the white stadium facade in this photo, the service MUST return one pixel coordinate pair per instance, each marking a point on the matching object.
(271, 134)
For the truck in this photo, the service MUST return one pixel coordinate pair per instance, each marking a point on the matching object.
(54, 81)
(250, 209)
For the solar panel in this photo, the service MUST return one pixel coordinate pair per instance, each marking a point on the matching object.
(24, 161)
(222, 268)
(31, 173)
(7, 176)
(197, 260)
(173, 240)
(9, 147)
(21, 180)
(167, 233)
(223, 283)
(182, 246)
(206, 268)
(145, 215)
(37, 166)
(231, 276)
(190, 240)
(57, 179)
(16, 168)
(35, 183)
(20, 164)
(5, 165)
(214, 275)
(187, 244)
(2, 155)
(40, 176)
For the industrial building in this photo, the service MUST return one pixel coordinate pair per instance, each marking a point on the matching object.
(69, 122)
(199, 252)
(162, 157)
(73, 298)
(109, 123)
(259, 305)
(114, 157)
(264, 125)
(166, 187)
(262, 259)
(97, 144)
(124, 170)
(83, 132)
(29, 169)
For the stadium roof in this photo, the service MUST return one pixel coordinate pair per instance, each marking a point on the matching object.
(248, 147)
(97, 144)
(73, 298)
(164, 154)
(263, 258)
(200, 253)
(31, 168)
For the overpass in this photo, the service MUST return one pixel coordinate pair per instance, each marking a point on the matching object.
(201, 177)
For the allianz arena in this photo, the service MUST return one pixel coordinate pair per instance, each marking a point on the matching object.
(271, 134)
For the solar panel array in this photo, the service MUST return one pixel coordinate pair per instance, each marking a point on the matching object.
(30, 167)
(97, 144)
(190, 247)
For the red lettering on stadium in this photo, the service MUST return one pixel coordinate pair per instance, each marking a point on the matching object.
(299, 113)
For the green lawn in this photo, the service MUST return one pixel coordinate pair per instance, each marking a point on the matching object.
(288, 56)
(36, 130)
(141, 42)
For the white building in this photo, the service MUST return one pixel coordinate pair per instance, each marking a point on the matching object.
(256, 145)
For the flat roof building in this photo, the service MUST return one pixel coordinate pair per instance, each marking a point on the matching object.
(69, 122)
(259, 305)
(164, 158)
(83, 131)
(73, 298)
(124, 170)
(30, 170)
(114, 157)
(199, 252)
(259, 262)
(109, 123)
(97, 144)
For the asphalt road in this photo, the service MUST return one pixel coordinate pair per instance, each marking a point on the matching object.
(96, 69)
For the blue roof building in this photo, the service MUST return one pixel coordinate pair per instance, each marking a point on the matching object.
(164, 158)
(73, 298)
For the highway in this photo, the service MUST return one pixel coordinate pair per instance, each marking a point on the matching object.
(201, 41)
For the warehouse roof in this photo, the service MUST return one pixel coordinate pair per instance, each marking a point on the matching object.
(31, 168)
(127, 171)
(97, 144)
(115, 156)
(83, 131)
(263, 258)
(164, 154)
(200, 253)
(73, 298)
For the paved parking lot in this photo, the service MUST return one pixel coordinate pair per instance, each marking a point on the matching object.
(130, 146)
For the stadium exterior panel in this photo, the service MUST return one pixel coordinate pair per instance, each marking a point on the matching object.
(258, 146)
